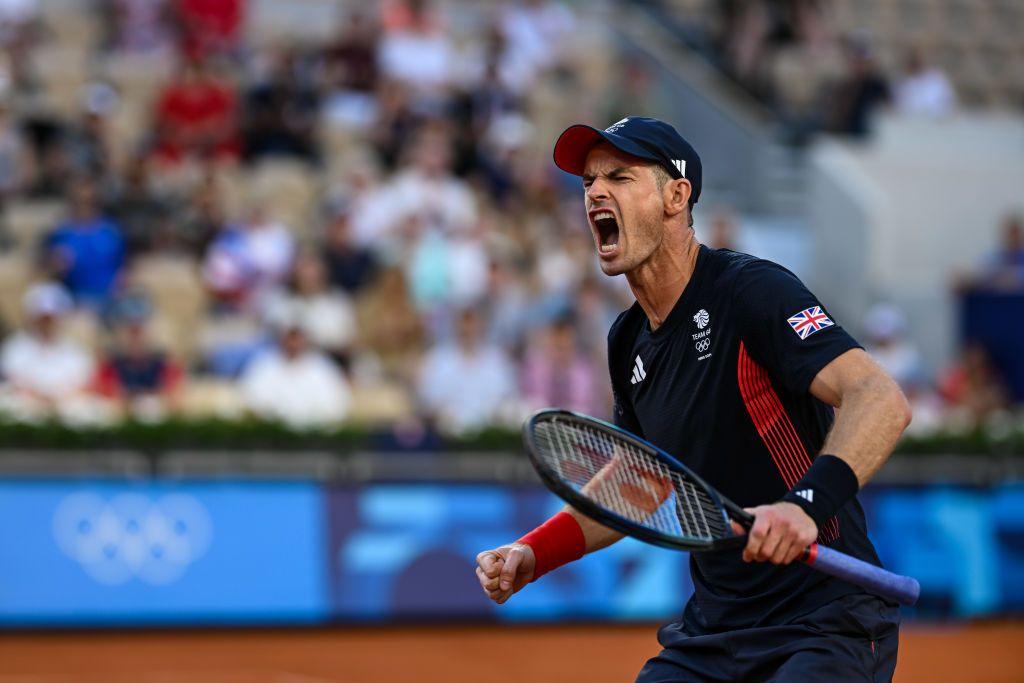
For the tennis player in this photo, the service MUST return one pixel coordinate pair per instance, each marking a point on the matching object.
(729, 362)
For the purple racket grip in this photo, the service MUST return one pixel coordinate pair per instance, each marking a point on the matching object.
(903, 589)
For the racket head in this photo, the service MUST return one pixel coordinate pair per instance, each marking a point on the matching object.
(626, 483)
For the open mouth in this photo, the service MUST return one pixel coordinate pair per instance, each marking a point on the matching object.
(607, 231)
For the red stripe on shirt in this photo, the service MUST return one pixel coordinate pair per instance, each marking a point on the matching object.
(760, 412)
(776, 428)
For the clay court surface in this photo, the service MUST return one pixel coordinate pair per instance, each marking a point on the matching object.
(992, 653)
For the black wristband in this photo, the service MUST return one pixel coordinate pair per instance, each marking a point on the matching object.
(824, 489)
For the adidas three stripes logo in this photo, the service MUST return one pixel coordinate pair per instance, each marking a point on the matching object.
(638, 372)
(806, 494)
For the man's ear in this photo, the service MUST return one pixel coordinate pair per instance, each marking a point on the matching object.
(676, 195)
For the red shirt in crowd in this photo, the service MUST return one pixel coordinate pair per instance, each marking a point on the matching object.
(210, 26)
(196, 115)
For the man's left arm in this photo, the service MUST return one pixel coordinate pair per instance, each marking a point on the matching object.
(871, 414)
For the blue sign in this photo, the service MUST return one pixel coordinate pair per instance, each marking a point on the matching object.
(409, 550)
(105, 552)
(109, 552)
(965, 545)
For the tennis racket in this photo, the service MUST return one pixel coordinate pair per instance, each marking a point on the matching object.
(635, 488)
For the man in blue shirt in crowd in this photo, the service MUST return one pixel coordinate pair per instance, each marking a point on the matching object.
(86, 252)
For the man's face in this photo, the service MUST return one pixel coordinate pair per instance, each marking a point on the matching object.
(469, 329)
(293, 342)
(83, 198)
(46, 325)
(624, 206)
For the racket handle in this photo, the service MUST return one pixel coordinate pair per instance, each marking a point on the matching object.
(903, 589)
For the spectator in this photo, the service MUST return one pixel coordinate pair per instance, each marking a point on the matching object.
(509, 305)
(859, 93)
(390, 327)
(144, 216)
(415, 50)
(350, 63)
(425, 193)
(16, 163)
(1004, 269)
(46, 136)
(210, 27)
(595, 312)
(294, 382)
(202, 220)
(87, 143)
(280, 112)
(745, 30)
(246, 261)
(468, 384)
(17, 21)
(144, 381)
(138, 27)
(395, 123)
(923, 90)
(45, 374)
(444, 269)
(87, 251)
(887, 342)
(722, 232)
(326, 316)
(973, 388)
(196, 118)
(350, 265)
(557, 374)
(536, 33)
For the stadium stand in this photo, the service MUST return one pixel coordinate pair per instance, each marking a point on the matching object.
(410, 141)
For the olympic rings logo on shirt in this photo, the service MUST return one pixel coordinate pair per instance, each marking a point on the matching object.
(132, 535)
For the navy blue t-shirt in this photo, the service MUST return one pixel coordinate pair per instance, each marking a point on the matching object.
(723, 385)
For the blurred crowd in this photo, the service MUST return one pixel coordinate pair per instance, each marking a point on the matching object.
(819, 73)
(365, 229)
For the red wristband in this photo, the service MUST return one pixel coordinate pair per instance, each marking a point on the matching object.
(556, 542)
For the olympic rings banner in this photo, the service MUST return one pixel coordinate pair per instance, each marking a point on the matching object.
(112, 552)
(83, 553)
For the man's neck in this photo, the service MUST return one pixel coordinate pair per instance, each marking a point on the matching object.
(658, 283)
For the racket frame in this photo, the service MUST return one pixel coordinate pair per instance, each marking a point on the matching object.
(556, 484)
(903, 589)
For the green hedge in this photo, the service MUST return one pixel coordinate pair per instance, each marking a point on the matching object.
(212, 434)
(218, 434)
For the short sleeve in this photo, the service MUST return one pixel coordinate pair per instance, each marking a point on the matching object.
(784, 327)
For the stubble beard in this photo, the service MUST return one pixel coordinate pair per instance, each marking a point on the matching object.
(644, 245)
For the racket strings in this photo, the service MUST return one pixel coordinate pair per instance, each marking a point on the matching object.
(628, 480)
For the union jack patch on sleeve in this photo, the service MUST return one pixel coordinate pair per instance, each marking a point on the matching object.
(807, 322)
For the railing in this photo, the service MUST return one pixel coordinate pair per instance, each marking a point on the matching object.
(363, 466)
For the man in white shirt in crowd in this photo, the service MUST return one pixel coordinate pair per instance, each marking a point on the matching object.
(295, 382)
(470, 383)
(924, 90)
(44, 373)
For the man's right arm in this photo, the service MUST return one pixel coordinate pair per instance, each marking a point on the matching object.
(504, 570)
(568, 535)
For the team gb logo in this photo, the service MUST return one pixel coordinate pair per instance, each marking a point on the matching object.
(702, 319)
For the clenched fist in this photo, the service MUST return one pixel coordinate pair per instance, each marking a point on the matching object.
(504, 570)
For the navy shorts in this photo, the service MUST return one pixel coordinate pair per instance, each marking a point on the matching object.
(853, 638)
